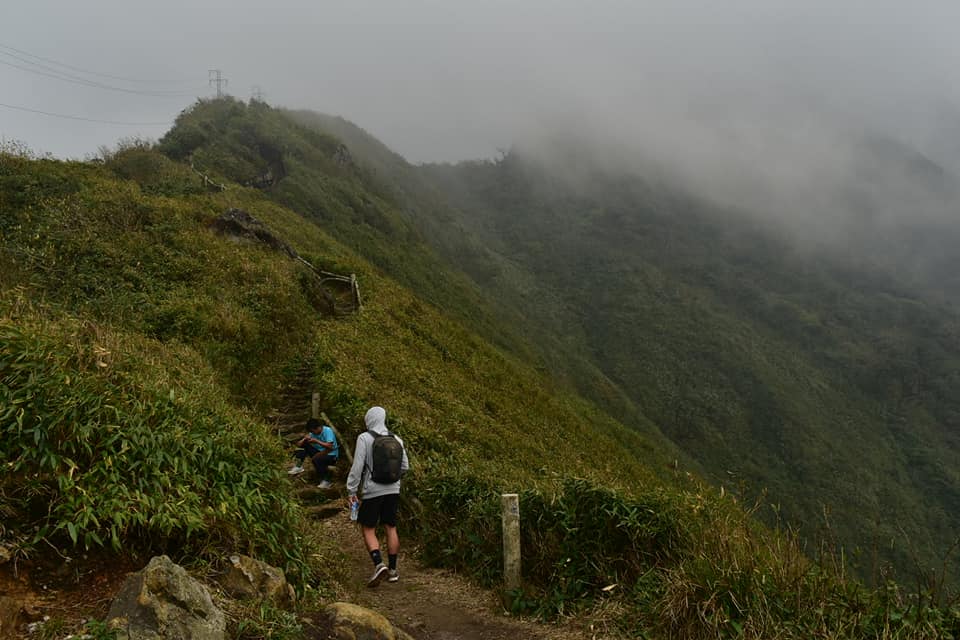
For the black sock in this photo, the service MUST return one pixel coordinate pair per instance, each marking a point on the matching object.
(376, 557)
(393, 560)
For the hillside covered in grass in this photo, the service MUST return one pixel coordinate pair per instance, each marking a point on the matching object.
(140, 352)
(831, 384)
(824, 377)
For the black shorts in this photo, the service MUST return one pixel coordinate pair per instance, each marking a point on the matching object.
(382, 510)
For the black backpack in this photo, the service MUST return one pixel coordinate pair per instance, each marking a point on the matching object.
(387, 458)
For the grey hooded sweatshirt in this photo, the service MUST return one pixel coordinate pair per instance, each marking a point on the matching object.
(376, 421)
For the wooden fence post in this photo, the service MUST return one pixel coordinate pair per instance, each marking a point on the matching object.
(315, 405)
(344, 445)
(510, 503)
(355, 288)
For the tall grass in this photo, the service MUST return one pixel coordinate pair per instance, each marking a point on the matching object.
(127, 405)
(105, 444)
(664, 564)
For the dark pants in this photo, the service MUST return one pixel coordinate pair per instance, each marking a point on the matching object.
(320, 461)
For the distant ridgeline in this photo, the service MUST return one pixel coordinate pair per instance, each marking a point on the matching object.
(827, 379)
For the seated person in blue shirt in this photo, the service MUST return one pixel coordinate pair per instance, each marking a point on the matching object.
(321, 445)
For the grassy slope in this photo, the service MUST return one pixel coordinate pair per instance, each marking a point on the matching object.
(760, 362)
(128, 333)
(196, 333)
(240, 142)
(512, 295)
(97, 265)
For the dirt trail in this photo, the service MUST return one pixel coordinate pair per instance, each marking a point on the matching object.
(429, 604)
(433, 604)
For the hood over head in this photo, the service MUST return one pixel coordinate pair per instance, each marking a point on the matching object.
(376, 419)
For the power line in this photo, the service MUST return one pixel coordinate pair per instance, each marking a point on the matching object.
(94, 73)
(256, 93)
(62, 115)
(85, 80)
(98, 85)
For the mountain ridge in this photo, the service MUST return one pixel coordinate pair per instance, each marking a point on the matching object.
(123, 308)
(818, 310)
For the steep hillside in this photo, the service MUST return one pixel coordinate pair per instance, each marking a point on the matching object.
(140, 349)
(315, 175)
(388, 214)
(827, 383)
(756, 354)
(755, 357)
(519, 299)
(761, 359)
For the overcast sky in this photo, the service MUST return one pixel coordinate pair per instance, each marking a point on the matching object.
(451, 79)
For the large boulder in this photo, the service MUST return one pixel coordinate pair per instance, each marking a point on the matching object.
(247, 577)
(352, 622)
(162, 602)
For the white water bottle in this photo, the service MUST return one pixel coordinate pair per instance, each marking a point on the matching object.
(354, 509)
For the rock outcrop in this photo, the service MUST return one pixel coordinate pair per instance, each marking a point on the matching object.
(163, 602)
(247, 577)
(352, 622)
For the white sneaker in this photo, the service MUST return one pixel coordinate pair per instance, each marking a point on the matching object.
(295, 470)
(325, 484)
(393, 575)
(378, 575)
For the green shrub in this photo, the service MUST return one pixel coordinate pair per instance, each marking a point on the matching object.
(659, 563)
(100, 448)
(576, 541)
(153, 171)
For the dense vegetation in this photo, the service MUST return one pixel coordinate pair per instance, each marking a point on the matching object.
(831, 386)
(139, 350)
(826, 378)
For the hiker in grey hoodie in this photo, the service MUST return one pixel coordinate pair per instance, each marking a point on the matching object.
(380, 499)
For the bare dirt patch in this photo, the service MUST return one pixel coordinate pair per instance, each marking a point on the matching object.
(63, 593)
(434, 604)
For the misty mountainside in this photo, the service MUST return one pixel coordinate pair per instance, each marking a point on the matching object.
(314, 174)
(141, 349)
(823, 370)
(806, 373)
(146, 358)
(387, 218)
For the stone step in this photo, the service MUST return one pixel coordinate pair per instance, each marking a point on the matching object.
(315, 493)
(288, 416)
(322, 512)
(285, 429)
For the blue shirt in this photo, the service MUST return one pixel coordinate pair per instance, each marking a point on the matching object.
(325, 435)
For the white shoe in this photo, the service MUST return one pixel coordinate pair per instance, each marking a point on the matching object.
(378, 575)
(325, 484)
(295, 470)
(393, 575)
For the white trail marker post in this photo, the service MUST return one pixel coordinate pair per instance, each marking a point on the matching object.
(510, 503)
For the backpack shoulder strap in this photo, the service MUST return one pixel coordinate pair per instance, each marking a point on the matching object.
(368, 461)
